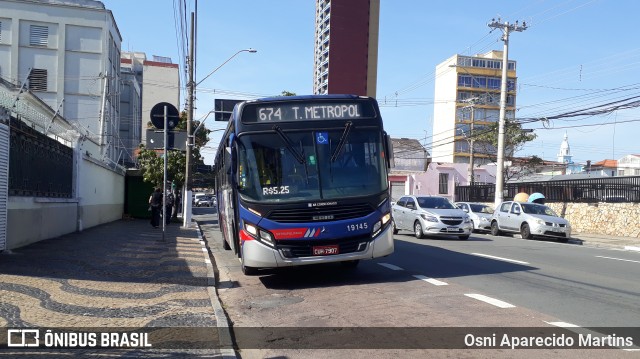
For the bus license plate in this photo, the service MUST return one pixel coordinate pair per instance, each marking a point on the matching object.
(325, 250)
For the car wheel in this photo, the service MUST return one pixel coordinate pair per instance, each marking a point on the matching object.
(495, 231)
(417, 229)
(464, 238)
(395, 229)
(525, 231)
(473, 226)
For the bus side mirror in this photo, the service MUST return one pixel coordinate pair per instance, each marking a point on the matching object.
(389, 144)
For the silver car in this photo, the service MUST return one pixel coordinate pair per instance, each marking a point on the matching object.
(529, 219)
(479, 213)
(430, 215)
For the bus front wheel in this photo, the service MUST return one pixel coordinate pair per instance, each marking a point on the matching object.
(246, 270)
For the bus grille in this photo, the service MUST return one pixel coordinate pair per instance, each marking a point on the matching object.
(335, 213)
(303, 248)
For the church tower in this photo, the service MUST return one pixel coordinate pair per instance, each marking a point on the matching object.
(565, 153)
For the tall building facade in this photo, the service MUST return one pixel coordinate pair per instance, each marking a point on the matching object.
(159, 81)
(466, 100)
(67, 52)
(346, 47)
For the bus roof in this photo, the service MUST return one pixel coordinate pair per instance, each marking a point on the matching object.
(310, 97)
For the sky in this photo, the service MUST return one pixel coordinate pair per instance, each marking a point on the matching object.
(575, 55)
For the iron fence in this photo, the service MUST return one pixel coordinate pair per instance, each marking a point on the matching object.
(38, 165)
(605, 189)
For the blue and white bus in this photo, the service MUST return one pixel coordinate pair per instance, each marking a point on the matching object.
(303, 180)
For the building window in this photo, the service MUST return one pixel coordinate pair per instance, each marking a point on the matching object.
(493, 83)
(38, 80)
(38, 35)
(464, 81)
(480, 82)
(443, 183)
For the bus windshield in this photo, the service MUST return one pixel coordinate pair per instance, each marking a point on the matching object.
(289, 166)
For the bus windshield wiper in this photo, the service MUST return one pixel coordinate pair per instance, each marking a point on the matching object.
(300, 158)
(343, 139)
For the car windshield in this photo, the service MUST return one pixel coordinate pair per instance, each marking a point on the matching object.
(292, 166)
(481, 208)
(435, 203)
(531, 208)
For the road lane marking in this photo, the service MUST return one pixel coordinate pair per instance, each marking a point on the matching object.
(500, 258)
(390, 266)
(632, 248)
(563, 324)
(618, 259)
(430, 280)
(492, 301)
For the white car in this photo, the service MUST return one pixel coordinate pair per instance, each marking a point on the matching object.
(529, 219)
(203, 200)
(430, 215)
(479, 213)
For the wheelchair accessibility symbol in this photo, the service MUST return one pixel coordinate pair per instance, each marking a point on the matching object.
(322, 138)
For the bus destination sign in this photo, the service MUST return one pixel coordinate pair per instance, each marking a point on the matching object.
(308, 111)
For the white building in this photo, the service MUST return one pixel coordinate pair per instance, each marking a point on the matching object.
(68, 53)
(466, 99)
(629, 165)
(130, 116)
(159, 79)
(60, 77)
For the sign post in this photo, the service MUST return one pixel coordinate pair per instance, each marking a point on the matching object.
(160, 114)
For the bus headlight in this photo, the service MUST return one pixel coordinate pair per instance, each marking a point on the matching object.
(260, 234)
(376, 228)
(381, 224)
(251, 229)
(267, 238)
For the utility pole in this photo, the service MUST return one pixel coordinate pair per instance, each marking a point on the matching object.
(506, 28)
(186, 213)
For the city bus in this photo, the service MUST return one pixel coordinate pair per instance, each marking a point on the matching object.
(303, 180)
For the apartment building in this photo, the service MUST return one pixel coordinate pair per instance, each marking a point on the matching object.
(67, 52)
(158, 79)
(466, 100)
(346, 47)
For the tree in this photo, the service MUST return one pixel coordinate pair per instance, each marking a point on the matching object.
(514, 139)
(151, 162)
(287, 93)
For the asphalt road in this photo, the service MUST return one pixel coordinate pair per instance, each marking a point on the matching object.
(485, 282)
(587, 287)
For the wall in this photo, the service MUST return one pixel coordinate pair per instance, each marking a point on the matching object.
(615, 219)
(101, 193)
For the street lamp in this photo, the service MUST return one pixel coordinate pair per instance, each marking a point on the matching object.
(229, 59)
(191, 86)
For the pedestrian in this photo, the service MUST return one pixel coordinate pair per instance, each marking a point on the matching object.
(177, 205)
(155, 203)
(168, 207)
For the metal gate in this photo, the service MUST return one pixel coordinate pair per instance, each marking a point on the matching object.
(4, 183)
(397, 190)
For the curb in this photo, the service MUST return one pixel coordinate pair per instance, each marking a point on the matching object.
(224, 333)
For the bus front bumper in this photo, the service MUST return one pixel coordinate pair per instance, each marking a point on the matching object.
(259, 255)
